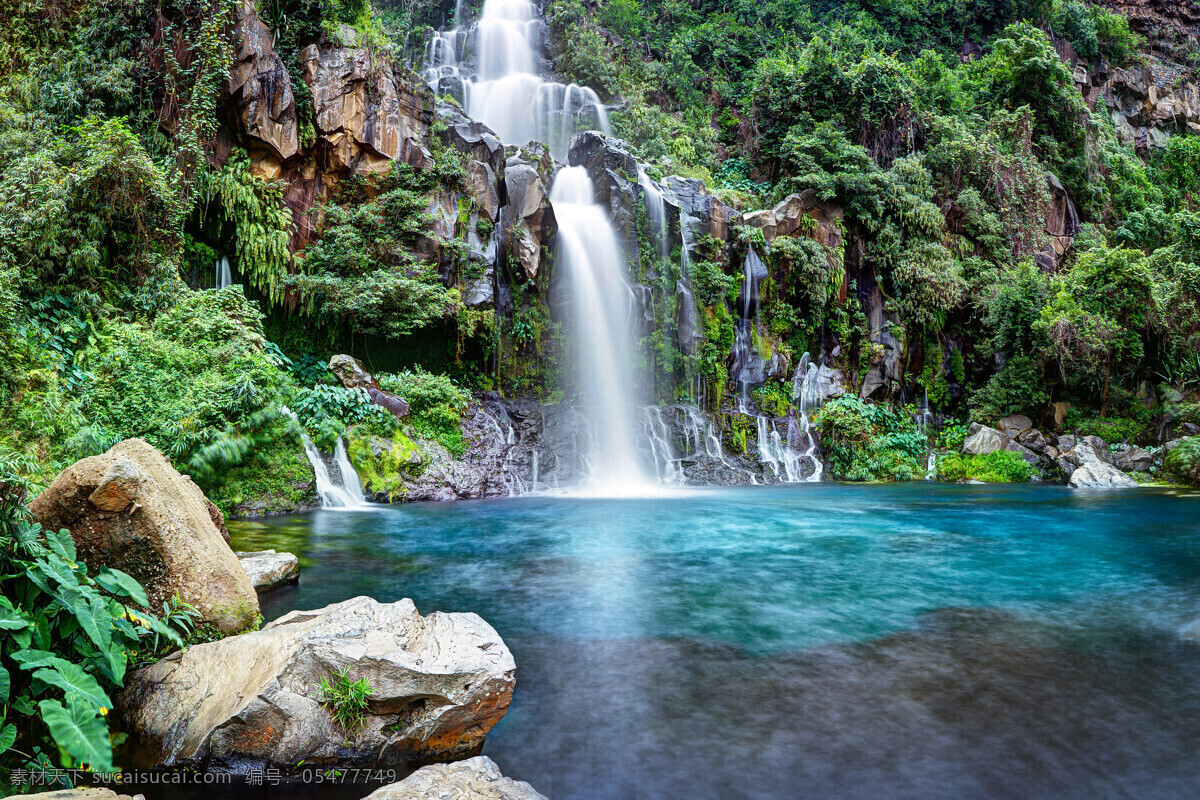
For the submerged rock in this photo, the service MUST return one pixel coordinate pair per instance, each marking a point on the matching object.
(269, 570)
(474, 779)
(1098, 475)
(130, 510)
(438, 684)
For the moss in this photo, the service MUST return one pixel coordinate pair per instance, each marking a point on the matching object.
(384, 472)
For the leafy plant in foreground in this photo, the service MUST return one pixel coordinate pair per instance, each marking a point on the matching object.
(345, 699)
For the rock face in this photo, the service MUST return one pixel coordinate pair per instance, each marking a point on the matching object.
(354, 375)
(474, 779)
(528, 218)
(269, 570)
(262, 90)
(614, 175)
(438, 685)
(129, 509)
(1128, 458)
(982, 440)
(1098, 475)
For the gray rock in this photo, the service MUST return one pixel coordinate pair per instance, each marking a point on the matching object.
(982, 440)
(474, 779)
(438, 685)
(269, 570)
(1098, 475)
(1099, 447)
(1129, 458)
(1031, 458)
(354, 375)
(1014, 425)
(1064, 443)
(527, 218)
(1033, 440)
(1071, 460)
(613, 171)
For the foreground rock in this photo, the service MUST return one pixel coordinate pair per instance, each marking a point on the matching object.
(269, 570)
(474, 779)
(89, 793)
(130, 510)
(438, 685)
(1098, 475)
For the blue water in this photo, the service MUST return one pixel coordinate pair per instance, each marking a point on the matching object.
(917, 640)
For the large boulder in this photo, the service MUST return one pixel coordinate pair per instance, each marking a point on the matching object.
(1098, 475)
(982, 440)
(438, 684)
(130, 510)
(1015, 425)
(353, 375)
(269, 570)
(474, 779)
(527, 219)
(1129, 458)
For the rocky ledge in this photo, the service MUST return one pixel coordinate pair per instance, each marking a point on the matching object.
(474, 779)
(269, 570)
(438, 684)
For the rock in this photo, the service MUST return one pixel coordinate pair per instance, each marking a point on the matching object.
(1031, 458)
(613, 171)
(1129, 458)
(708, 215)
(485, 163)
(353, 375)
(438, 685)
(1099, 447)
(474, 779)
(1033, 440)
(368, 111)
(1015, 425)
(1065, 442)
(262, 91)
(527, 218)
(1098, 475)
(1060, 412)
(1074, 458)
(154, 524)
(982, 440)
(269, 570)
(831, 383)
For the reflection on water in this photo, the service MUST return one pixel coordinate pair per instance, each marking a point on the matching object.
(822, 641)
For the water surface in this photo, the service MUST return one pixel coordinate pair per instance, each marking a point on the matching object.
(917, 640)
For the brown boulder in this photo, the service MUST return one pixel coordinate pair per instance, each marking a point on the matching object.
(130, 510)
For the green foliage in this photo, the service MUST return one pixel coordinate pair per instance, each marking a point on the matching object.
(1182, 463)
(69, 637)
(1000, 466)
(1113, 430)
(436, 405)
(867, 442)
(346, 700)
(326, 411)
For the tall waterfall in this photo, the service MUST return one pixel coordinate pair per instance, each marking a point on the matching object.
(602, 303)
(506, 89)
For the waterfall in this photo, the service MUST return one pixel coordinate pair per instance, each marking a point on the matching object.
(656, 211)
(223, 276)
(350, 494)
(602, 310)
(747, 366)
(807, 395)
(506, 90)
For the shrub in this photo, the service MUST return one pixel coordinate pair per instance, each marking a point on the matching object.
(436, 405)
(1001, 466)
(867, 442)
(1111, 430)
(346, 700)
(1183, 461)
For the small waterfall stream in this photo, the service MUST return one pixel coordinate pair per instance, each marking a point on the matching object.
(350, 493)
(223, 276)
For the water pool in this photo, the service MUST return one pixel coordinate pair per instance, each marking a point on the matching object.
(827, 640)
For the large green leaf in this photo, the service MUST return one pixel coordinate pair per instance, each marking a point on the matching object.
(5, 685)
(62, 543)
(33, 659)
(80, 731)
(122, 585)
(11, 619)
(8, 735)
(73, 680)
(93, 618)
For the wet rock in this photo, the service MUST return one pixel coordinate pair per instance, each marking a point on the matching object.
(1129, 458)
(527, 218)
(130, 510)
(982, 440)
(613, 171)
(1034, 440)
(1099, 475)
(1065, 442)
(353, 375)
(885, 367)
(269, 570)
(710, 216)
(485, 164)
(474, 779)
(438, 685)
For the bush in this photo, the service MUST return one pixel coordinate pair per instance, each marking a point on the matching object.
(346, 699)
(1182, 463)
(68, 639)
(867, 442)
(436, 405)
(1112, 430)
(1001, 466)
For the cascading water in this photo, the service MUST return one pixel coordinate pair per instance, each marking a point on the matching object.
(350, 493)
(506, 90)
(223, 275)
(807, 395)
(656, 210)
(602, 304)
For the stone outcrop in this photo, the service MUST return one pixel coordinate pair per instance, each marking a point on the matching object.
(474, 779)
(262, 91)
(1098, 475)
(130, 510)
(527, 219)
(485, 164)
(438, 685)
(613, 171)
(353, 375)
(269, 570)
(982, 440)
(1129, 458)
